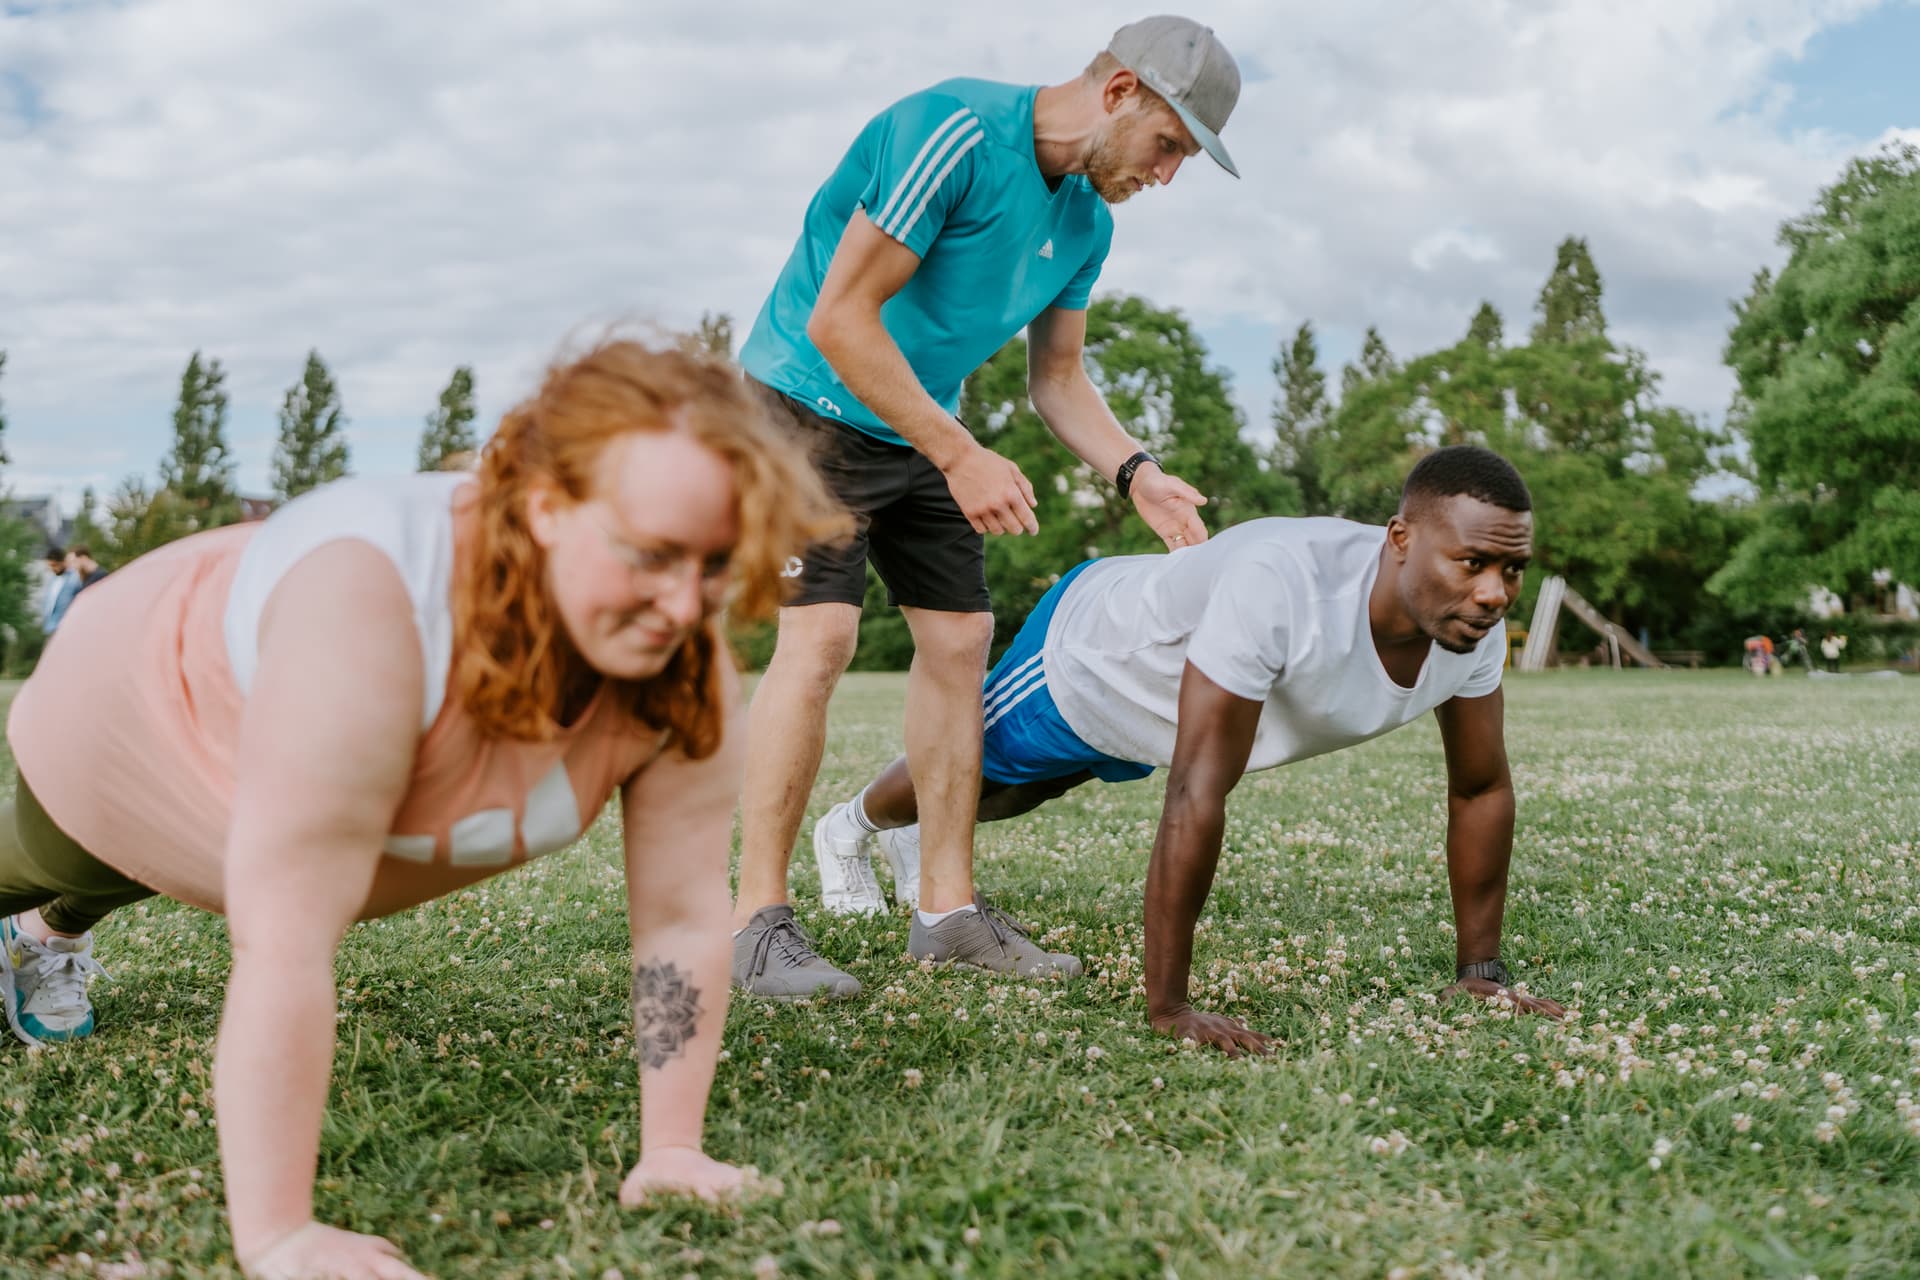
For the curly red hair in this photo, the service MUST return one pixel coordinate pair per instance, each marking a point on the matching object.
(513, 664)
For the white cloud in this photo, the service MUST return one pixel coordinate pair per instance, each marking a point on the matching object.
(1453, 242)
(409, 187)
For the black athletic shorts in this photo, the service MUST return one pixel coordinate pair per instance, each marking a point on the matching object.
(905, 519)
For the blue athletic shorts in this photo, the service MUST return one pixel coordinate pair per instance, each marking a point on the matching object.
(1027, 740)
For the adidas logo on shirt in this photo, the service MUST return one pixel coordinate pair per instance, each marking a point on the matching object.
(1046, 250)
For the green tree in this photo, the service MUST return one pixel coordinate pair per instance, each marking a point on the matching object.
(198, 470)
(20, 545)
(139, 518)
(1827, 355)
(89, 532)
(1569, 304)
(312, 448)
(1486, 328)
(1376, 363)
(1611, 469)
(449, 429)
(714, 335)
(1300, 412)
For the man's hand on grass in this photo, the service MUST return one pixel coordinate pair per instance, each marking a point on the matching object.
(1488, 989)
(1230, 1035)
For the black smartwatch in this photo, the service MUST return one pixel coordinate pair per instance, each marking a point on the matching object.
(1123, 479)
(1494, 971)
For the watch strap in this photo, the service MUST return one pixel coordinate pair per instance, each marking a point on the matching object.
(1123, 479)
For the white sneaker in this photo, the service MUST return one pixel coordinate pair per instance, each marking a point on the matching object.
(44, 984)
(902, 847)
(847, 886)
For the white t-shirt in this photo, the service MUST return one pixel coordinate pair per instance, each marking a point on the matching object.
(1273, 610)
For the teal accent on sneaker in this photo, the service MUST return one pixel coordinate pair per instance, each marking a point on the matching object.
(44, 985)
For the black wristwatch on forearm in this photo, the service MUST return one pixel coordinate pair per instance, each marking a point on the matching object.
(1494, 970)
(1123, 479)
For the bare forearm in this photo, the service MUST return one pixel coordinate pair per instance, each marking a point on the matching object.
(270, 1072)
(1479, 847)
(679, 1008)
(866, 358)
(1185, 853)
(1079, 417)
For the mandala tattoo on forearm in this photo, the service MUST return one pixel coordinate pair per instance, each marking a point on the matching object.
(666, 1007)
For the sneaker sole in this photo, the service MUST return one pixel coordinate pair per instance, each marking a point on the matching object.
(819, 993)
(971, 967)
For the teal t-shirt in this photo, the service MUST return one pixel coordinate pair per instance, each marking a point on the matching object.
(949, 173)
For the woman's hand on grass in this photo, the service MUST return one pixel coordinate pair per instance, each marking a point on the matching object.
(685, 1171)
(319, 1252)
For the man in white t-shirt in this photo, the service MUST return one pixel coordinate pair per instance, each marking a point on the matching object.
(1274, 641)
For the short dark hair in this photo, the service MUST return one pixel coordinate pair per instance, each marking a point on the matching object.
(80, 549)
(54, 552)
(1464, 469)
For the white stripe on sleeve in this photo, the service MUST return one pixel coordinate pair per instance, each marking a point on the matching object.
(971, 132)
(906, 179)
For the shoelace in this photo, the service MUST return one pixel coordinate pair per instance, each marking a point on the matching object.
(63, 978)
(794, 948)
(858, 868)
(1000, 922)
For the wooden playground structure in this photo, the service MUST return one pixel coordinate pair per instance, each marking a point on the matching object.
(1543, 632)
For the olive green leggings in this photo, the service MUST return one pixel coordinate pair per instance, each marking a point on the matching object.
(41, 866)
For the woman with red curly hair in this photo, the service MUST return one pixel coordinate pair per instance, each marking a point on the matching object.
(394, 688)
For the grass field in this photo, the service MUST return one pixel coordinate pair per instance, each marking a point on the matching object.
(1723, 875)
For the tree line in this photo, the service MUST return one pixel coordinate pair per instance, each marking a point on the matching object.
(1690, 532)
(196, 488)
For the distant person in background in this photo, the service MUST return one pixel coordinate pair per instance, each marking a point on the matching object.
(86, 566)
(1796, 649)
(54, 594)
(1832, 645)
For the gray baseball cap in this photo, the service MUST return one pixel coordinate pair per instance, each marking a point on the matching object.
(1186, 64)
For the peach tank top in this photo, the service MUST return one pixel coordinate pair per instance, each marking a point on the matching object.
(127, 729)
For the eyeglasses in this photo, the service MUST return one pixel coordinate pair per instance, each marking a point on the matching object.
(652, 567)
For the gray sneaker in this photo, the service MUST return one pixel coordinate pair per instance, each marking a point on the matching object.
(987, 938)
(774, 957)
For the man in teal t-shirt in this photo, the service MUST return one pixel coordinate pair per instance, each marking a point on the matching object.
(960, 216)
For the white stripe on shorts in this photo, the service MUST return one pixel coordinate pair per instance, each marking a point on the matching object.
(1034, 682)
(1000, 687)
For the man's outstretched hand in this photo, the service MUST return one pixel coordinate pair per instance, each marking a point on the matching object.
(1488, 989)
(1230, 1035)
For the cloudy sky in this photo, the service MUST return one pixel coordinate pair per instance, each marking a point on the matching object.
(408, 187)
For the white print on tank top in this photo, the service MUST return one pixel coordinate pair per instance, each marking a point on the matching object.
(486, 838)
